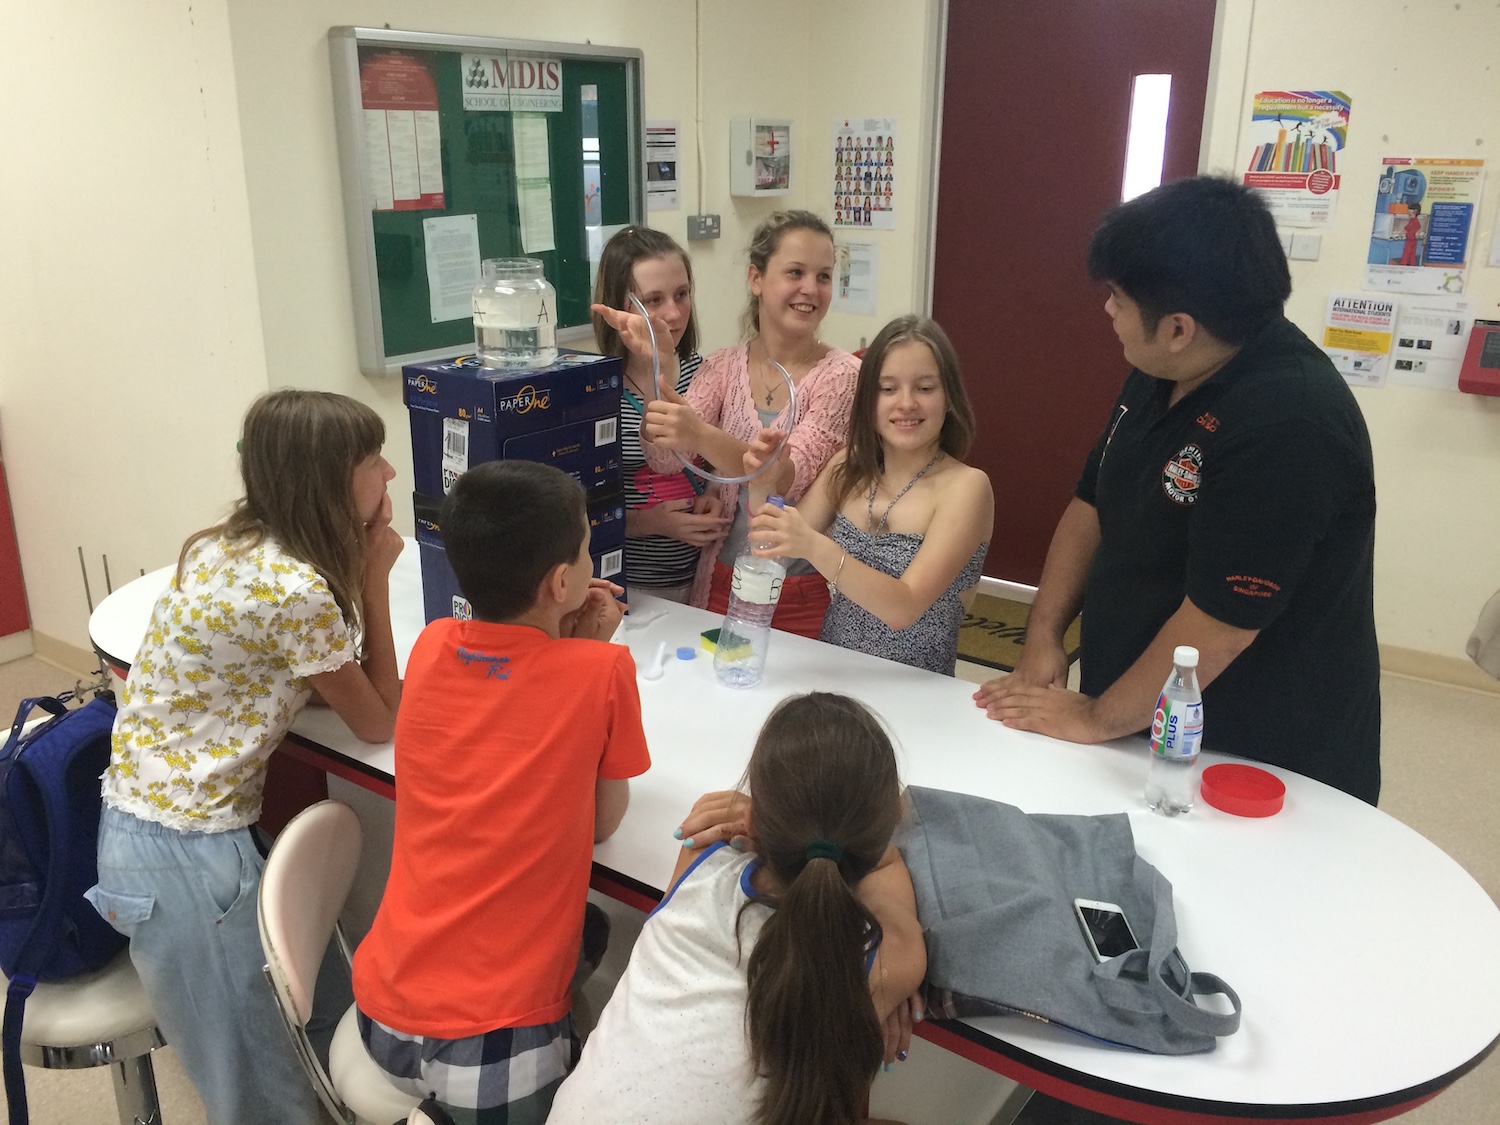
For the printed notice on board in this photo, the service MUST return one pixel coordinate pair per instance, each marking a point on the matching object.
(1295, 138)
(1424, 220)
(506, 83)
(533, 182)
(1431, 335)
(661, 166)
(864, 173)
(452, 248)
(402, 144)
(1357, 336)
(855, 268)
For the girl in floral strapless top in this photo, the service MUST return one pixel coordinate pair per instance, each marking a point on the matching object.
(896, 523)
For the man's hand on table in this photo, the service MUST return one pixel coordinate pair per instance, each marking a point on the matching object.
(1043, 662)
(1056, 712)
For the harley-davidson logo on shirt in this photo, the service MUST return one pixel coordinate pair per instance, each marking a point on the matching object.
(1182, 475)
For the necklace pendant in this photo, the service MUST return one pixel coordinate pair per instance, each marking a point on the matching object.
(769, 394)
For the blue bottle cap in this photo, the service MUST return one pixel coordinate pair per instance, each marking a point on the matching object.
(779, 501)
(687, 652)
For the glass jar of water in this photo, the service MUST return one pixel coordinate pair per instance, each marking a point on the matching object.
(515, 314)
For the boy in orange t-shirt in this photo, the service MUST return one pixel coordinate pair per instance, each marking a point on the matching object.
(516, 735)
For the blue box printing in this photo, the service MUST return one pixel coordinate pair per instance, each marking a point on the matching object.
(463, 414)
(441, 596)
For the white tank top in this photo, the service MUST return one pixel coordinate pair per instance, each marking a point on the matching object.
(671, 1043)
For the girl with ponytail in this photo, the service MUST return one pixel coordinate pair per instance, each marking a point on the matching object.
(771, 983)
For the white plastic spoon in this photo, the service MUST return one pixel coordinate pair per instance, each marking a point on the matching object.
(656, 665)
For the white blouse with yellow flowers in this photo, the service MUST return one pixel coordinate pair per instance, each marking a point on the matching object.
(220, 676)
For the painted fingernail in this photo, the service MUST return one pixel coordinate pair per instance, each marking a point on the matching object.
(890, 1067)
(688, 842)
(901, 1056)
(916, 1015)
(677, 833)
(737, 844)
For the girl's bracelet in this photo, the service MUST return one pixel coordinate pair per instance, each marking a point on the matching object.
(833, 583)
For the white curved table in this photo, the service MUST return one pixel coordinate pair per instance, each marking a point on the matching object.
(1367, 960)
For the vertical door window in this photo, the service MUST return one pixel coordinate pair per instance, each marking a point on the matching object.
(1146, 146)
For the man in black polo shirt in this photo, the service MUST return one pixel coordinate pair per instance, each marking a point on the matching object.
(1229, 504)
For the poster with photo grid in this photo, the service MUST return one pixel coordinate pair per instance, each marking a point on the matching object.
(864, 173)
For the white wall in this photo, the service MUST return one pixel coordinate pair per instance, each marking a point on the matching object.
(1423, 80)
(878, 60)
(130, 339)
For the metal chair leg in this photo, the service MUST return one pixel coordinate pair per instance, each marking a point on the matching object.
(135, 1091)
(1014, 1103)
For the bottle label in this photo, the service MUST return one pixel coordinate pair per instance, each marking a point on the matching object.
(1177, 729)
(757, 586)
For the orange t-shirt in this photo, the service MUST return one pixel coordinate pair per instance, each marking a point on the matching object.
(501, 734)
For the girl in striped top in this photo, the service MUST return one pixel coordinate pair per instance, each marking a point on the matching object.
(667, 520)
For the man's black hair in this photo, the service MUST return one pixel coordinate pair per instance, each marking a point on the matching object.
(505, 525)
(1204, 246)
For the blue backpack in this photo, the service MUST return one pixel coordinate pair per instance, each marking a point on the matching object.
(49, 832)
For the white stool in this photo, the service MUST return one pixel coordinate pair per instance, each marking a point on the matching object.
(98, 1019)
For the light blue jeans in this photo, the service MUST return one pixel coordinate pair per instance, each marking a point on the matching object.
(187, 902)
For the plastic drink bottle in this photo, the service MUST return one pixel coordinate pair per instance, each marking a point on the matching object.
(1176, 737)
(740, 655)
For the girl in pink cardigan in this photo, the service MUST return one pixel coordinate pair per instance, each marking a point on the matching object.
(739, 391)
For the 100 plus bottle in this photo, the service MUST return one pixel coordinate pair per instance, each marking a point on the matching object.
(1176, 738)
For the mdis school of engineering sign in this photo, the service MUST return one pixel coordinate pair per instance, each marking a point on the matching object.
(505, 82)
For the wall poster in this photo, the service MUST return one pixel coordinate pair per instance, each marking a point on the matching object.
(1295, 138)
(864, 173)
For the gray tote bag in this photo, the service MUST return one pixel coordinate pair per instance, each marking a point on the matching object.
(995, 889)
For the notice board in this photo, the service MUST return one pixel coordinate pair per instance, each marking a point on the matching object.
(458, 148)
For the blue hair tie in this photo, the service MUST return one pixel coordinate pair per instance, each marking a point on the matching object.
(823, 849)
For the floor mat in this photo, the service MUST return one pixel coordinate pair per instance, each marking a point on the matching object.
(994, 631)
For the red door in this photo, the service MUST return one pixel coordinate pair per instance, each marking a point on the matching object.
(1036, 105)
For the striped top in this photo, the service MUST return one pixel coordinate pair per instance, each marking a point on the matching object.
(654, 560)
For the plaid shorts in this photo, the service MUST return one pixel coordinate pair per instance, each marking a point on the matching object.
(505, 1077)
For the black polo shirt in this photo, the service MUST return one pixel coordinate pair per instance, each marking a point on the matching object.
(1255, 497)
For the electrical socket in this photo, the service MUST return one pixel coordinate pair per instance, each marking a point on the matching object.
(701, 227)
(1306, 247)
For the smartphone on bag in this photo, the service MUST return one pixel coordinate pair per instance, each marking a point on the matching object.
(1105, 928)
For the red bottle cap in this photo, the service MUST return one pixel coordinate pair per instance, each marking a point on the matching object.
(1243, 790)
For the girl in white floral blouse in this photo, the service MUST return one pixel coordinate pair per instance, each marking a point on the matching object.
(288, 596)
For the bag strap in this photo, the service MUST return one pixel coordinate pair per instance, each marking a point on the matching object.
(10, 1048)
(48, 703)
(1171, 982)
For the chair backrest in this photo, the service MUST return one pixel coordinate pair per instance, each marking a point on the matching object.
(307, 877)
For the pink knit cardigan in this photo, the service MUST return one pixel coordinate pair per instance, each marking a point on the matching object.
(720, 395)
